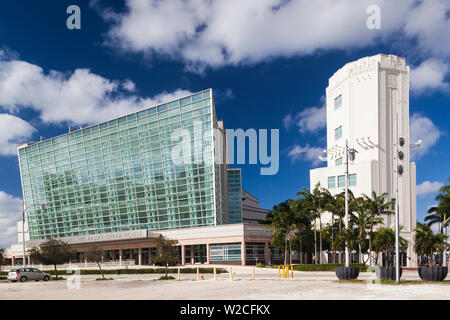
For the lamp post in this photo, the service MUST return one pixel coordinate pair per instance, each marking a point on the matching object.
(23, 235)
(347, 253)
(348, 152)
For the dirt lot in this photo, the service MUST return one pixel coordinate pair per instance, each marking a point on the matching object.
(305, 285)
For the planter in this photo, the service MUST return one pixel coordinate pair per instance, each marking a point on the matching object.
(433, 273)
(344, 273)
(384, 273)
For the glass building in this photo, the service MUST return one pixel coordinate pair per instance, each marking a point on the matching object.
(128, 174)
(234, 185)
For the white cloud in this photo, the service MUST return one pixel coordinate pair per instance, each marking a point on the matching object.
(428, 187)
(129, 85)
(13, 131)
(307, 153)
(429, 24)
(309, 119)
(429, 75)
(215, 33)
(422, 128)
(10, 213)
(80, 97)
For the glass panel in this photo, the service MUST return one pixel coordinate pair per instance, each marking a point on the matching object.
(331, 182)
(341, 181)
(338, 102)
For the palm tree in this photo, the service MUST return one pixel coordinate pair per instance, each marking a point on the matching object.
(426, 242)
(384, 241)
(316, 206)
(2, 257)
(281, 222)
(438, 214)
(302, 222)
(360, 220)
(375, 206)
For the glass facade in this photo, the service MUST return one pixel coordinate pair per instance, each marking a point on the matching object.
(122, 174)
(234, 196)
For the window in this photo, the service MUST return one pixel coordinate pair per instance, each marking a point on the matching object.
(339, 161)
(338, 133)
(338, 101)
(352, 180)
(341, 181)
(331, 182)
(393, 204)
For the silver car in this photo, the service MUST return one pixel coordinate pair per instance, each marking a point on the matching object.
(25, 274)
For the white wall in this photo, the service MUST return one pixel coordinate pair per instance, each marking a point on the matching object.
(373, 90)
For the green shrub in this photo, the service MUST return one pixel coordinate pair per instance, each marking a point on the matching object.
(324, 267)
(166, 278)
(260, 265)
(101, 279)
(141, 271)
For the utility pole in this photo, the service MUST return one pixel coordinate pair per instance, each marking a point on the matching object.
(347, 253)
(445, 225)
(23, 235)
(397, 227)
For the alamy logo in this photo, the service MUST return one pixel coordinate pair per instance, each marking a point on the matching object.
(74, 20)
(196, 147)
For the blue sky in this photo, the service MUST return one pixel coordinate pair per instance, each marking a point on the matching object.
(268, 62)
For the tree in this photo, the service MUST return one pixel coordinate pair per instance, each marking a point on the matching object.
(302, 222)
(282, 222)
(384, 241)
(439, 213)
(336, 206)
(95, 254)
(167, 252)
(376, 206)
(2, 257)
(316, 203)
(52, 252)
(427, 243)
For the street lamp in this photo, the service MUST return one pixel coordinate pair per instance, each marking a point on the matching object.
(445, 225)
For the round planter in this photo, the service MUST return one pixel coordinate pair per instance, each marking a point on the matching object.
(433, 273)
(344, 273)
(384, 273)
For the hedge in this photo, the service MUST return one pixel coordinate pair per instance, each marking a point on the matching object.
(324, 267)
(140, 271)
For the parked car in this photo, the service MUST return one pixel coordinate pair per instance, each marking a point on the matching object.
(25, 274)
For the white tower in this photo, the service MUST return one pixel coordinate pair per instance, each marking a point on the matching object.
(363, 98)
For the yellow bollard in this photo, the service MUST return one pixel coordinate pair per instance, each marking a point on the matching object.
(179, 276)
(279, 272)
(292, 271)
(231, 273)
(253, 273)
(215, 274)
